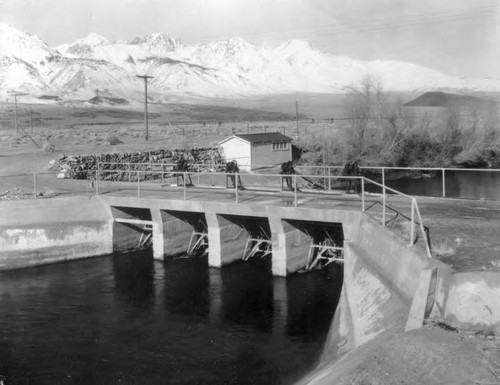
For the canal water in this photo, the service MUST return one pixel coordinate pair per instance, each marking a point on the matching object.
(458, 184)
(126, 319)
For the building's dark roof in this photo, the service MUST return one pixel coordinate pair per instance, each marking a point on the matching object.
(264, 137)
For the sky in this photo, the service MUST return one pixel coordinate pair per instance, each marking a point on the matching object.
(457, 37)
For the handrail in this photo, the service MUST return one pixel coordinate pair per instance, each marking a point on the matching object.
(430, 168)
(99, 173)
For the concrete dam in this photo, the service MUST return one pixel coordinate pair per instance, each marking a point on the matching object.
(388, 285)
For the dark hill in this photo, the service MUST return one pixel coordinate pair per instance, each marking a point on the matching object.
(443, 99)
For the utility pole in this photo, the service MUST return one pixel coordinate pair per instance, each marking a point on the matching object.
(16, 94)
(145, 77)
(297, 115)
(31, 120)
(15, 113)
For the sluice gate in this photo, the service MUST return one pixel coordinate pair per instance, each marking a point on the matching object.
(321, 242)
(244, 237)
(132, 228)
(291, 239)
(184, 232)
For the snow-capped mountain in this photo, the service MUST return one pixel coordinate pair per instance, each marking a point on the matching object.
(95, 66)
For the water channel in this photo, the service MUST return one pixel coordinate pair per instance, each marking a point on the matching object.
(458, 184)
(126, 319)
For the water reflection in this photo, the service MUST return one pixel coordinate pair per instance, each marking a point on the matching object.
(247, 295)
(133, 274)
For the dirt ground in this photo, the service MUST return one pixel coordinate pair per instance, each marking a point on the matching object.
(429, 355)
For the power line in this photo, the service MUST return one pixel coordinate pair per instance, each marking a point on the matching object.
(379, 24)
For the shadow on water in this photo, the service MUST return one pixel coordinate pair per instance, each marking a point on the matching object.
(128, 319)
(186, 285)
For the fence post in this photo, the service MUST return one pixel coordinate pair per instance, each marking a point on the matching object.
(138, 184)
(412, 225)
(184, 184)
(129, 173)
(383, 176)
(329, 178)
(198, 172)
(363, 194)
(34, 185)
(444, 182)
(295, 189)
(97, 180)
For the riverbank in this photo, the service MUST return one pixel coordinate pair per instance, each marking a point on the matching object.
(430, 355)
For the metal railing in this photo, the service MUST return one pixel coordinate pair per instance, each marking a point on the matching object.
(293, 187)
(442, 170)
(331, 171)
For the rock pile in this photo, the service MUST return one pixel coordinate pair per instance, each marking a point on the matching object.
(124, 166)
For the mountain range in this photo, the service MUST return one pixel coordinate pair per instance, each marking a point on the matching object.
(95, 68)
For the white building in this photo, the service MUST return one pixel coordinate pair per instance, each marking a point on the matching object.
(251, 150)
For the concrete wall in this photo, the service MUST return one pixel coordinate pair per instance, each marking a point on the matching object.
(382, 274)
(473, 300)
(42, 231)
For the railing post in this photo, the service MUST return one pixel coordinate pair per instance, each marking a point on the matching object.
(412, 224)
(383, 204)
(184, 174)
(236, 186)
(198, 173)
(129, 173)
(444, 182)
(34, 185)
(329, 178)
(363, 194)
(138, 184)
(383, 176)
(295, 190)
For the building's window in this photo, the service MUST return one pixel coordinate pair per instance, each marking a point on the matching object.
(279, 146)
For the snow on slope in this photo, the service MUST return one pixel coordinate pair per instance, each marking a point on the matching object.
(24, 46)
(84, 79)
(94, 65)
